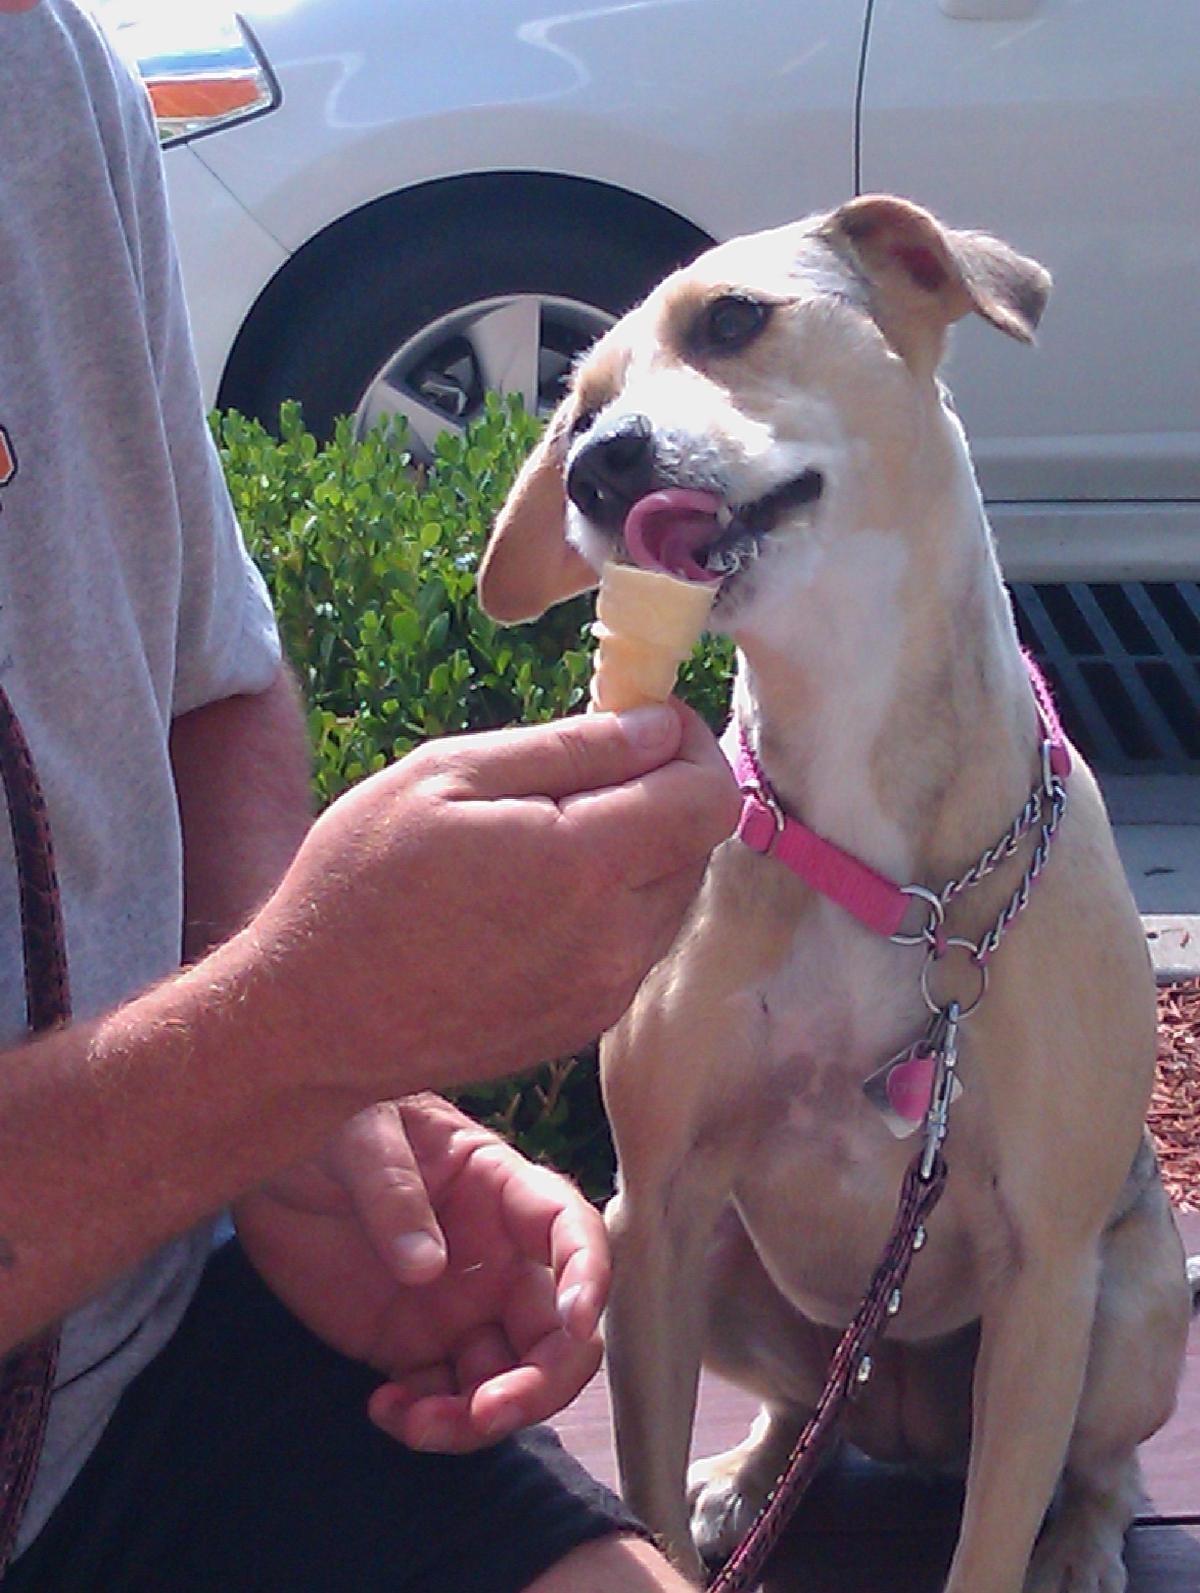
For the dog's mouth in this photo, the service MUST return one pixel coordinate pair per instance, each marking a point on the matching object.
(697, 536)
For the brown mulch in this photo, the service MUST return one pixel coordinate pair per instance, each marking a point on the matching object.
(1175, 1104)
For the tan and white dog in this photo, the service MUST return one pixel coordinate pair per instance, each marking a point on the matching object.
(782, 394)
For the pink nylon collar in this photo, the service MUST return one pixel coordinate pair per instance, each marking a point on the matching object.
(876, 901)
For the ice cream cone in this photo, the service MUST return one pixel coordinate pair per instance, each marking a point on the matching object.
(646, 625)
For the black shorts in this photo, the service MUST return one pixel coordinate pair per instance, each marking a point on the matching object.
(242, 1461)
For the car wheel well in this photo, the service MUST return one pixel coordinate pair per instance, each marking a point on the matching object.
(514, 203)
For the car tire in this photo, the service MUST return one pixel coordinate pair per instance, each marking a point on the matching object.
(392, 278)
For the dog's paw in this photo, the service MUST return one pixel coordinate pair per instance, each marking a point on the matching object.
(1068, 1562)
(722, 1507)
(1082, 1545)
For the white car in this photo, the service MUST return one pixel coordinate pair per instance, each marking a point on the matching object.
(389, 205)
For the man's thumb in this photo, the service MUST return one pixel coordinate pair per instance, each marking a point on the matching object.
(584, 753)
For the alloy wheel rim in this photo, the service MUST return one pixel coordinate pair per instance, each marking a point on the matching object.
(523, 343)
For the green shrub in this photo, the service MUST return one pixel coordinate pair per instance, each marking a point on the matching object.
(371, 565)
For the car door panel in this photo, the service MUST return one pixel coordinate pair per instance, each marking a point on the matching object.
(1073, 133)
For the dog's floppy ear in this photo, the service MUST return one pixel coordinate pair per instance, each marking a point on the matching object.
(529, 565)
(923, 276)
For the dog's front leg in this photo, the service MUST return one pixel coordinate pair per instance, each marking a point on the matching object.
(1036, 1328)
(655, 1332)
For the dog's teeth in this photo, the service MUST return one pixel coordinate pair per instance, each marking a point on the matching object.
(732, 558)
(722, 561)
(729, 560)
(724, 516)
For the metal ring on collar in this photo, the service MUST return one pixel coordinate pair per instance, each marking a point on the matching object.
(752, 788)
(928, 929)
(965, 1008)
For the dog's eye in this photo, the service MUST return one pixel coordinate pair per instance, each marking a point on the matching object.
(732, 321)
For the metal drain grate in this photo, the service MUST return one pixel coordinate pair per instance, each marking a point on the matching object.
(1123, 660)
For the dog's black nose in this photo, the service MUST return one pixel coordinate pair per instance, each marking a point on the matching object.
(612, 471)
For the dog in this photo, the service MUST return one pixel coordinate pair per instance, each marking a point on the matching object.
(771, 417)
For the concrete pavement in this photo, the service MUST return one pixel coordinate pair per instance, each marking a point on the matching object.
(1157, 823)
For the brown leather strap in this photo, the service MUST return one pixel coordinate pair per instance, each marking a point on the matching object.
(918, 1197)
(27, 1374)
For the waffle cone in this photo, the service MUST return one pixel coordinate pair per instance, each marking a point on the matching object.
(646, 625)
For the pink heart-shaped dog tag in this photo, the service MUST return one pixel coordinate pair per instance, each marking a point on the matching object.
(909, 1087)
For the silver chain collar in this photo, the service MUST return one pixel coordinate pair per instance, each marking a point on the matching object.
(1046, 805)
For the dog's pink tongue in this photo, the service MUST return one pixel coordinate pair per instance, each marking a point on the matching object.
(665, 531)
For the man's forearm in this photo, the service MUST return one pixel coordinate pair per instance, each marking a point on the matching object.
(119, 1133)
(242, 775)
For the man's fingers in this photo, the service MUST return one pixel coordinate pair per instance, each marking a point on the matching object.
(551, 1222)
(379, 1172)
(552, 1372)
(418, 1383)
(668, 819)
(440, 1422)
(586, 753)
(483, 1355)
(660, 823)
(430, 1407)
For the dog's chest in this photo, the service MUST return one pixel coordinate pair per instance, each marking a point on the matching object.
(836, 1007)
(818, 1186)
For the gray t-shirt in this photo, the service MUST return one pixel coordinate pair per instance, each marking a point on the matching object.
(126, 596)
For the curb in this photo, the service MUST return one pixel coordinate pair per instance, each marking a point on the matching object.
(1174, 942)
